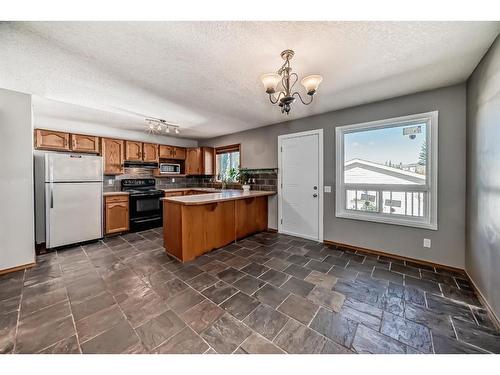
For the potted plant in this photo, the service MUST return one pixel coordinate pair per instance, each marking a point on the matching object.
(244, 178)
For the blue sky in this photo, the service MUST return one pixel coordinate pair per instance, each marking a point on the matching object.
(381, 145)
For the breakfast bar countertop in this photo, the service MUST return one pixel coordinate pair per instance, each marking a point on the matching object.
(208, 190)
(222, 196)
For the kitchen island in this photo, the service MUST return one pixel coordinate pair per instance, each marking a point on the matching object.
(196, 224)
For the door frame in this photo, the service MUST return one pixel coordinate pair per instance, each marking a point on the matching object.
(318, 132)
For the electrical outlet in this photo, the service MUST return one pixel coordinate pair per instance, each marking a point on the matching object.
(110, 182)
(173, 180)
(427, 242)
(327, 189)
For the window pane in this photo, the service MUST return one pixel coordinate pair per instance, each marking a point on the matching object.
(390, 155)
(403, 203)
(225, 162)
(350, 201)
(362, 200)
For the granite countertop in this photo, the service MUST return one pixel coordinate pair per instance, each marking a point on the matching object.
(221, 196)
(209, 190)
(111, 193)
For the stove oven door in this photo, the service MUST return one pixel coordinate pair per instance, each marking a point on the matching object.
(145, 211)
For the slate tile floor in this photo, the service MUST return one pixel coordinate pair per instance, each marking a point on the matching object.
(268, 293)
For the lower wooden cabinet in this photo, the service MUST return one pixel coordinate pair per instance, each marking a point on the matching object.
(116, 214)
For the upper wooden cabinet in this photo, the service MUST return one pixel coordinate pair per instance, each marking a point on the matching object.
(84, 143)
(172, 152)
(200, 161)
(208, 160)
(51, 140)
(150, 152)
(112, 154)
(133, 150)
(179, 153)
(166, 152)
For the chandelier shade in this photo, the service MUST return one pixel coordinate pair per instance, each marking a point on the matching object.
(270, 82)
(311, 83)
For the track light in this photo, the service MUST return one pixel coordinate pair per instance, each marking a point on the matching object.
(157, 126)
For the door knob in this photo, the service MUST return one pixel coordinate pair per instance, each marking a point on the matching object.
(315, 195)
(315, 187)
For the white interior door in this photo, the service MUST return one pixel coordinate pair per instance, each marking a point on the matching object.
(301, 184)
(74, 213)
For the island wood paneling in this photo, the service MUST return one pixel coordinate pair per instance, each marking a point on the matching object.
(251, 216)
(192, 230)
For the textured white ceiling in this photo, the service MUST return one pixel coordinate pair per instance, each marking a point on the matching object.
(205, 75)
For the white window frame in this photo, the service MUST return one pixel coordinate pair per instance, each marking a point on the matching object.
(429, 221)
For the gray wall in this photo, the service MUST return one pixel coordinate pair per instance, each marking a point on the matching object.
(16, 184)
(259, 150)
(483, 177)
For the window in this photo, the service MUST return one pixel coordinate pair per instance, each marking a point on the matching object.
(386, 171)
(227, 158)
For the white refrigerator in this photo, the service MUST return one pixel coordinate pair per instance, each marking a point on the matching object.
(70, 207)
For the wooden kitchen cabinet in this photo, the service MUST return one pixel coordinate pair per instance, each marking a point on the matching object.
(51, 140)
(116, 214)
(172, 152)
(200, 161)
(133, 151)
(84, 143)
(112, 154)
(166, 152)
(179, 153)
(150, 152)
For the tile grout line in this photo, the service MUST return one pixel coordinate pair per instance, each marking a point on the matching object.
(71, 309)
(19, 313)
(114, 298)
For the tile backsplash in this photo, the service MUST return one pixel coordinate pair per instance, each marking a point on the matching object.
(260, 179)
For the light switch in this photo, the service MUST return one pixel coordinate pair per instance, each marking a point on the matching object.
(328, 189)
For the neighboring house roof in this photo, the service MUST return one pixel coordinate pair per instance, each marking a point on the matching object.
(358, 171)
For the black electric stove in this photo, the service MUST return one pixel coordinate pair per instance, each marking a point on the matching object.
(145, 209)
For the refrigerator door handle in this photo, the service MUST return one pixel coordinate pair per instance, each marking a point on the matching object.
(51, 195)
(51, 179)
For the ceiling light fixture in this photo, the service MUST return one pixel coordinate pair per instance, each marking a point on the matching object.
(283, 95)
(158, 125)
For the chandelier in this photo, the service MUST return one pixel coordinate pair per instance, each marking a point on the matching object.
(283, 95)
(158, 125)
